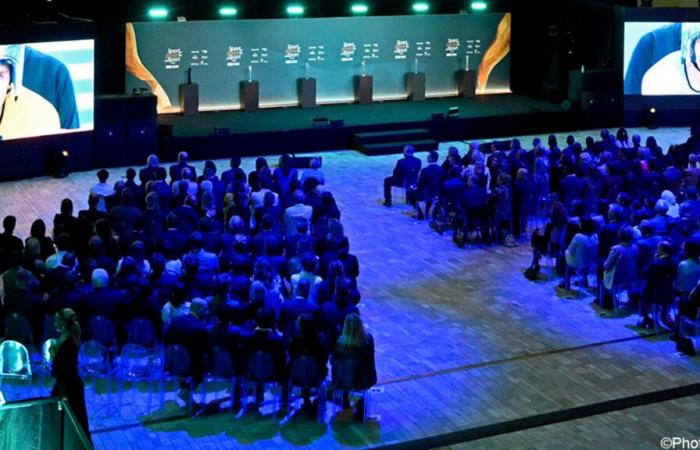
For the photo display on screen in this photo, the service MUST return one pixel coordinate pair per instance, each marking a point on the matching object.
(277, 52)
(46, 88)
(661, 58)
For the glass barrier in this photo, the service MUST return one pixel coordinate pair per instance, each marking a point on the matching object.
(40, 424)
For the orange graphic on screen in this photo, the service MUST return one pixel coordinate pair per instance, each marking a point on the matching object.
(498, 50)
(135, 67)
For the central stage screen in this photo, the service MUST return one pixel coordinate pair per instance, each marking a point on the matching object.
(277, 52)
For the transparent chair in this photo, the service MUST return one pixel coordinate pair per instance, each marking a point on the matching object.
(17, 328)
(134, 364)
(690, 329)
(141, 331)
(14, 362)
(46, 356)
(344, 379)
(306, 374)
(177, 366)
(94, 361)
(261, 371)
(220, 368)
(102, 330)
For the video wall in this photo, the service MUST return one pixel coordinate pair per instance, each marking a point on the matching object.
(277, 52)
(46, 88)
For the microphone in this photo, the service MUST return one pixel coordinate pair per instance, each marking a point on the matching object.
(189, 76)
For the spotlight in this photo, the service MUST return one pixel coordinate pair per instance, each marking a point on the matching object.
(453, 112)
(158, 13)
(650, 118)
(359, 8)
(295, 10)
(478, 6)
(60, 163)
(228, 11)
(421, 7)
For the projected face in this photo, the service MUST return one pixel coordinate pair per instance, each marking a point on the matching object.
(692, 68)
(5, 77)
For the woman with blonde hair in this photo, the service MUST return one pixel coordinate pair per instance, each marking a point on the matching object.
(356, 345)
(65, 366)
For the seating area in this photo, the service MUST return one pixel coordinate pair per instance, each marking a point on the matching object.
(492, 337)
(241, 285)
(620, 209)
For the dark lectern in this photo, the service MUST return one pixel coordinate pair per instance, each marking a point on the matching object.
(363, 89)
(250, 95)
(415, 86)
(189, 99)
(466, 83)
(307, 92)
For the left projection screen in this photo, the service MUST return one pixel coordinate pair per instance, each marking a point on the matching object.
(46, 88)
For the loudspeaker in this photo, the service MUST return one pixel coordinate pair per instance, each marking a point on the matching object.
(142, 131)
(111, 133)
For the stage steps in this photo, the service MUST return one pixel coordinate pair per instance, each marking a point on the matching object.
(392, 142)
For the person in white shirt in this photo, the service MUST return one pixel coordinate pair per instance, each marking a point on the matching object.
(295, 212)
(582, 253)
(309, 263)
(314, 172)
(102, 190)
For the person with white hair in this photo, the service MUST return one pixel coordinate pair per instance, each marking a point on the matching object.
(314, 171)
(660, 221)
(152, 171)
(670, 198)
(405, 174)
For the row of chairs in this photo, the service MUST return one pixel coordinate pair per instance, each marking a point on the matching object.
(143, 359)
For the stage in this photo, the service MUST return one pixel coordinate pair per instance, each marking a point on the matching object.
(291, 129)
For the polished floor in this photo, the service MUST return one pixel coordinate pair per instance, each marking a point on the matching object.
(466, 346)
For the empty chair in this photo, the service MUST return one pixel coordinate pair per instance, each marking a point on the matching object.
(14, 362)
(17, 328)
(134, 364)
(306, 374)
(177, 366)
(93, 360)
(101, 329)
(141, 332)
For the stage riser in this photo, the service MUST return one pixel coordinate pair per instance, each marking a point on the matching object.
(391, 148)
(361, 139)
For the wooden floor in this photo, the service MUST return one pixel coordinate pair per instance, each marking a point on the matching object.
(463, 341)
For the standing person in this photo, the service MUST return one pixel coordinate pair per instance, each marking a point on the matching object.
(65, 366)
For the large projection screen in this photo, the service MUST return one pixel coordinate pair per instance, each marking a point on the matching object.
(221, 54)
(46, 88)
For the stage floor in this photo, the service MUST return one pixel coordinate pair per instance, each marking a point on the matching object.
(388, 112)
(463, 342)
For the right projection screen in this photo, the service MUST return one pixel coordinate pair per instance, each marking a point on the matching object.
(662, 58)
(221, 54)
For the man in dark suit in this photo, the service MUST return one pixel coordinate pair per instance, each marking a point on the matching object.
(152, 171)
(261, 238)
(176, 169)
(233, 173)
(9, 243)
(103, 300)
(292, 309)
(430, 182)
(405, 174)
(92, 214)
(190, 332)
(125, 217)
